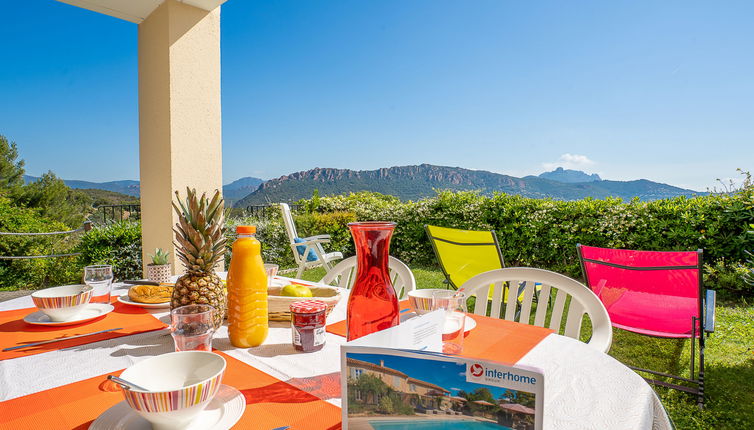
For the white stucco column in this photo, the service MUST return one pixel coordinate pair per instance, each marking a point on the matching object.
(179, 114)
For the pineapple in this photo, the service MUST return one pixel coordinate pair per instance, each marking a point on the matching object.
(200, 244)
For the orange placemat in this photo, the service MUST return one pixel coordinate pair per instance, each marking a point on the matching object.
(270, 403)
(14, 331)
(493, 339)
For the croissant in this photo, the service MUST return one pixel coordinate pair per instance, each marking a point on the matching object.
(150, 293)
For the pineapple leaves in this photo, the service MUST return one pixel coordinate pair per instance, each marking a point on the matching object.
(199, 233)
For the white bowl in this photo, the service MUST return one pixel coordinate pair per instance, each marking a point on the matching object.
(181, 385)
(63, 303)
(421, 300)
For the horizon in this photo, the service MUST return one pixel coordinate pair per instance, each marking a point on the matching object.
(225, 183)
(664, 93)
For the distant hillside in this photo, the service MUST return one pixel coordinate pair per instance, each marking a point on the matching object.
(232, 192)
(104, 197)
(127, 187)
(569, 176)
(416, 182)
(240, 188)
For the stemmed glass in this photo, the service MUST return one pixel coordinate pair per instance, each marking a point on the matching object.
(101, 279)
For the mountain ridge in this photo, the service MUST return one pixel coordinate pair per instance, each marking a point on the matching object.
(419, 181)
(569, 176)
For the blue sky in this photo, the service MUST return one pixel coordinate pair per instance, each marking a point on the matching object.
(626, 89)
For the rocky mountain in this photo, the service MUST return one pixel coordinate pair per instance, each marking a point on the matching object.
(416, 182)
(569, 176)
(240, 188)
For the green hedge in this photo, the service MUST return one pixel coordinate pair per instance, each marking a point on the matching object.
(117, 244)
(541, 232)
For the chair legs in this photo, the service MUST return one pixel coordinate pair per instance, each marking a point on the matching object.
(698, 390)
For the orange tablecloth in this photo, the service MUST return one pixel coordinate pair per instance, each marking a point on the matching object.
(14, 331)
(493, 339)
(270, 403)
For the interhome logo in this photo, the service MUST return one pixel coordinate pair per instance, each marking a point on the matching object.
(476, 370)
(488, 374)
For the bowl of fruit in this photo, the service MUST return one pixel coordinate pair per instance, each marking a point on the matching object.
(280, 297)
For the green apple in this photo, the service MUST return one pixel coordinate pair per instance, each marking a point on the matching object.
(291, 290)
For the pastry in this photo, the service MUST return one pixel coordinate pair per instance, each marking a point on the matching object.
(150, 293)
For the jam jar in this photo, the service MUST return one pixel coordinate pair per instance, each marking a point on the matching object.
(308, 325)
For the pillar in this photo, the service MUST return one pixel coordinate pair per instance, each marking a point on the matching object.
(179, 115)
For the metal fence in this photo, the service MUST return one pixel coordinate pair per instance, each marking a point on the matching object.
(261, 211)
(112, 213)
(84, 228)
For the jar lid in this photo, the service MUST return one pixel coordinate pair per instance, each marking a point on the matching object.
(308, 307)
(246, 229)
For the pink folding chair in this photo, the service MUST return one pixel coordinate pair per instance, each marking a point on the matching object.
(654, 293)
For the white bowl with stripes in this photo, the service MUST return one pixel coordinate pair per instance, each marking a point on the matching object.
(62, 303)
(181, 384)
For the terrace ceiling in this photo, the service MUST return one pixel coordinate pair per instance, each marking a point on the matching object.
(135, 10)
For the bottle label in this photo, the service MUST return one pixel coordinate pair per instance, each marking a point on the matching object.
(319, 336)
(296, 336)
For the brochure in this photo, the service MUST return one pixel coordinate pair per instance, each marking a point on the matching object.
(384, 388)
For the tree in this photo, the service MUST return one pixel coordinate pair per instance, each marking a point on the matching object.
(55, 200)
(484, 394)
(11, 169)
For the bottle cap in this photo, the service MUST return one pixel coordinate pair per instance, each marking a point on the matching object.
(308, 307)
(246, 229)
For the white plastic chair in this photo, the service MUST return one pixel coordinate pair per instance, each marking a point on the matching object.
(582, 301)
(344, 275)
(310, 244)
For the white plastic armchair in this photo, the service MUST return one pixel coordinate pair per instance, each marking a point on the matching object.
(582, 301)
(344, 275)
(312, 244)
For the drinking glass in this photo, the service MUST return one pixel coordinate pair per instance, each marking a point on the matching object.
(453, 306)
(100, 278)
(271, 270)
(192, 327)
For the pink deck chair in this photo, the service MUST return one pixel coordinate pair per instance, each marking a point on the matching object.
(654, 293)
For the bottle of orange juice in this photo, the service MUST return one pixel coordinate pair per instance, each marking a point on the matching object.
(247, 291)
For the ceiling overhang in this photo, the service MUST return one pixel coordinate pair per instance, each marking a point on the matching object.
(135, 10)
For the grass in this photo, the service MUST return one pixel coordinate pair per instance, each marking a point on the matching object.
(729, 362)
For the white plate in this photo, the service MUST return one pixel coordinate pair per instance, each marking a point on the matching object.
(469, 324)
(222, 413)
(127, 300)
(92, 311)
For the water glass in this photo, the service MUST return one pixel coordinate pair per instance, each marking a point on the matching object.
(192, 327)
(271, 270)
(100, 278)
(453, 306)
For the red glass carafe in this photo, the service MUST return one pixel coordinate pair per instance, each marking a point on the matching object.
(372, 304)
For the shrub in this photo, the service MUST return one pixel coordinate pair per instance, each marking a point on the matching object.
(117, 244)
(33, 273)
(544, 232)
(271, 234)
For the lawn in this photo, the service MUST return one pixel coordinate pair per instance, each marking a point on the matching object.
(729, 362)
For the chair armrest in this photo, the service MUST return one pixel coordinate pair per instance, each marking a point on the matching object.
(318, 237)
(322, 238)
(709, 311)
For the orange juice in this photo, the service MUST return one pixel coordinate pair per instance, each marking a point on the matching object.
(247, 291)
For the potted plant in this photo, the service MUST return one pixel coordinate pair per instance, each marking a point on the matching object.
(159, 269)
